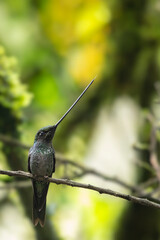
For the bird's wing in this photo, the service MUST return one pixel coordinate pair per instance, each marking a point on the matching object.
(54, 163)
(29, 156)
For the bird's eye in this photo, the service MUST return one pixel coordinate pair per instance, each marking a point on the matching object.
(41, 134)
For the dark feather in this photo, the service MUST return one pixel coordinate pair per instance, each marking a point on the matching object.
(40, 192)
(38, 216)
(39, 201)
(29, 170)
(54, 163)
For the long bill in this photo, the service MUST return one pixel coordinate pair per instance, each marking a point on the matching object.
(74, 104)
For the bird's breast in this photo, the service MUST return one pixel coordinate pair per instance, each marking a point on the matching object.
(41, 162)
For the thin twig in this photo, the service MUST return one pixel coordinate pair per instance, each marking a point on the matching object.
(87, 170)
(16, 184)
(144, 185)
(13, 142)
(153, 154)
(145, 165)
(100, 190)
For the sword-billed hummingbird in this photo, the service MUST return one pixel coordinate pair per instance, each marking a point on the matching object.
(41, 162)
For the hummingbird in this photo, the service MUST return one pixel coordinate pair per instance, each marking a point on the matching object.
(41, 162)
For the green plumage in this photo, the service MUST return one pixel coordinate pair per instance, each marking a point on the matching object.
(41, 162)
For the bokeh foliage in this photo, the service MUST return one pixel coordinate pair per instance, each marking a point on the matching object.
(60, 46)
(13, 93)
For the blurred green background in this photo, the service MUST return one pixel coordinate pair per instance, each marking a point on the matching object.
(49, 51)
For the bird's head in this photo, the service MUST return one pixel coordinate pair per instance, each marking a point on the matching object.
(45, 134)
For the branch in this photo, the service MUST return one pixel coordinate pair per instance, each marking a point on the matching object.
(84, 170)
(88, 170)
(134, 199)
(60, 159)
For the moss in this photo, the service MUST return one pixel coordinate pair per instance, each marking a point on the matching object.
(13, 93)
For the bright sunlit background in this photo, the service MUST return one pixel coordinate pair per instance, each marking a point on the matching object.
(49, 51)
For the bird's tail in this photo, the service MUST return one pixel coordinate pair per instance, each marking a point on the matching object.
(39, 202)
(38, 216)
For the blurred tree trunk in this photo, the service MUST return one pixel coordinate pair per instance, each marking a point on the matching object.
(132, 70)
(13, 97)
(17, 160)
(137, 222)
